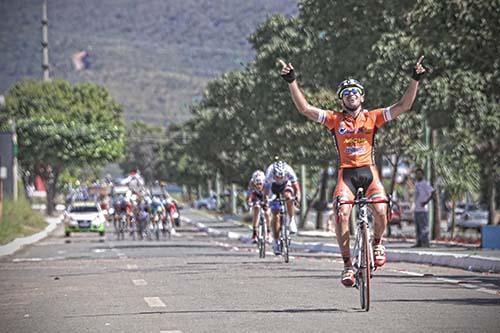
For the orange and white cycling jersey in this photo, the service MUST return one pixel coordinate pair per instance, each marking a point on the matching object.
(354, 137)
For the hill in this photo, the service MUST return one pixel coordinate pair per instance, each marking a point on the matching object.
(154, 56)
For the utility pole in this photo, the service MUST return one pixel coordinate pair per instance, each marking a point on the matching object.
(303, 201)
(45, 42)
(436, 211)
(428, 176)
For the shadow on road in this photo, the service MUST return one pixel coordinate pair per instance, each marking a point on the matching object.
(454, 301)
(297, 310)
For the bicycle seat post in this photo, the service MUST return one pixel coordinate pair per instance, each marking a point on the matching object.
(359, 193)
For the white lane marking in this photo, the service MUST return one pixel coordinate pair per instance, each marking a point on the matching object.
(154, 302)
(122, 255)
(37, 259)
(455, 282)
(410, 273)
(140, 282)
(490, 291)
(133, 266)
(26, 259)
(99, 250)
(448, 280)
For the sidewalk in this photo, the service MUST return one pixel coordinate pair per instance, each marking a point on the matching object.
(467, 257)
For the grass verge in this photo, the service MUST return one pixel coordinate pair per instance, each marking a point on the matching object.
(19, 220)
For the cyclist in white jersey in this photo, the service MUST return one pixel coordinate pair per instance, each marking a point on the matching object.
(281, 179)
(256, 199)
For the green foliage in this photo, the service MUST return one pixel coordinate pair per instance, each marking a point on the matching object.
(59, 100)
(62, 126)
(342, 35)
(61, 144)
(467, 74)
(154, 56)
(143, 150)
(471, 39)
(246, 116)
(18, 220)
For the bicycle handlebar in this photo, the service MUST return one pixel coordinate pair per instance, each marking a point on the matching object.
(281, 198)
(361, 201)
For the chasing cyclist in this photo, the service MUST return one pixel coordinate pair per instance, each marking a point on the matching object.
(353, 131)
(282, 180)
(256, 198)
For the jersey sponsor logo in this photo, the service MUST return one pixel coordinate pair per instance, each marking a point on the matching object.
(354, 140)
(343, 130)
(351, 150)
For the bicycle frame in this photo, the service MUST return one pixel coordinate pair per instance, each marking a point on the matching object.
(361, 224)
(362, 252)
(262, 232)
(284, 234)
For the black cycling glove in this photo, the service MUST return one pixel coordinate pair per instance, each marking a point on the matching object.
(290, 77)
(417, 76)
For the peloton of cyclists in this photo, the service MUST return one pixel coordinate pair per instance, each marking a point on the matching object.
(353, 131)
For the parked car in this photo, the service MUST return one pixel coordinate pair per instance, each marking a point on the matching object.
(84, 216)
(396, 214)
(471, 217)
(407, 213)
(205, 203)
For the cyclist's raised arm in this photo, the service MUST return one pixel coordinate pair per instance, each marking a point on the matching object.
(288, 74)
(406, 102)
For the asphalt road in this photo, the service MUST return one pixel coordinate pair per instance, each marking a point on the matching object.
(196, 283)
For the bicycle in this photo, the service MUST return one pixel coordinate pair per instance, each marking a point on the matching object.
(363, 262)
(120, 225)
(284, 240)
(261, 233)
(167, 225)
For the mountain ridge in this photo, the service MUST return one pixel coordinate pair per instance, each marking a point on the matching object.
(155, 57)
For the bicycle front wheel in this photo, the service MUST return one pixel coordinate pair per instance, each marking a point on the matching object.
(285, 243)
(364, 270)
(262, 239)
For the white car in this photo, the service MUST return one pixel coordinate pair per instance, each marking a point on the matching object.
(472, 217)
(84, 217)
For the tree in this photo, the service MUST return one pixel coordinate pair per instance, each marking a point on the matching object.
(61, 126)
(143, 150)
(470, 26)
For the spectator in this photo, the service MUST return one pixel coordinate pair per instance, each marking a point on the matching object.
(423, 194)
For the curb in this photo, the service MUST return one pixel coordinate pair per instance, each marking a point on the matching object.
(18, 243)
(461, 261)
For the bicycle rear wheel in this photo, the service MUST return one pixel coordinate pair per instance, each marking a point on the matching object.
(364, 270)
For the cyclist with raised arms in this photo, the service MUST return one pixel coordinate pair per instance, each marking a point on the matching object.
(353, 131)
(282, 180)
(256, 198)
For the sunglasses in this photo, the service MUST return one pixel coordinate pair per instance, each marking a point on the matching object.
(350, 91)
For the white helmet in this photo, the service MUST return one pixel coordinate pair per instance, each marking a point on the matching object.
(258, 177)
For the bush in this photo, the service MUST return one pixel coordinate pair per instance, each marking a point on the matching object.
(19, 220)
